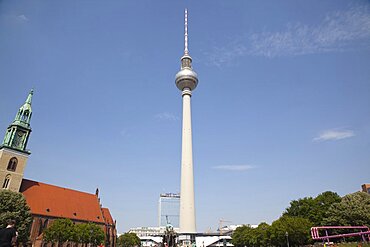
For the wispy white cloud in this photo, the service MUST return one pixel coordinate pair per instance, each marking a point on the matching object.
(338, 31)
(166, 116)
(22, 18)
(334, 135)
(234, 167)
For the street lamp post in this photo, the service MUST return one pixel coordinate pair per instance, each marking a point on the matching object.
(287, 238)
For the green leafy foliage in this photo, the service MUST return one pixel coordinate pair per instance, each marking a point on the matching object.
(89, 233)
(328, 208)
(63, 230)
(13, 206)
(128, 240)
(243, 236)
(313, 209)
(353, 209)
(263, 234)
(248, 236)
(297, 229)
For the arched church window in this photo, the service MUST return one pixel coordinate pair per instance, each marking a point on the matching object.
(6, 182)
(12, 165)
(46, 223)
(42, 225)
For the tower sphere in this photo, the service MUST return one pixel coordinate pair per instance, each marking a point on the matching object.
(186, 78)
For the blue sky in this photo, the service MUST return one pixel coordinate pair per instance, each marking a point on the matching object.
(281, 110)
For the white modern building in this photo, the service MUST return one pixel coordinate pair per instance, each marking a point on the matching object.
(152, 237)
(213, 241)
(169, 209)
(147, 231)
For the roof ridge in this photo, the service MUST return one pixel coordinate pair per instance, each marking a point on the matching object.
(93, 194)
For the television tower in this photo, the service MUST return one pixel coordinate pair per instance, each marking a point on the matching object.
(186, 81)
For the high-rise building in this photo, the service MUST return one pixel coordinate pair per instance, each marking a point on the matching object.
(187, 81)
(169, 210)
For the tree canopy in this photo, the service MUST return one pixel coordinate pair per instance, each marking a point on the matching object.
(296, 229)
(328, 208)
(128, 240)
(13, 205)
(243, 236)
(313, 209)
(89, 233)
(353, 209)
(63, 230)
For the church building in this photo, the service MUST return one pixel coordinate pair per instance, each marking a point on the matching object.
(47, 202)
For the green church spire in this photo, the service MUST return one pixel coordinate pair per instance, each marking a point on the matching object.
(24, 114)
(17, 134)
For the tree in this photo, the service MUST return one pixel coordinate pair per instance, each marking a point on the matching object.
(13, 205)
(313, 209)
(244, 236)
(323, 202)
(60, 231)
(89, 233)
(353, 209)
(128, 240)
(263, 234)
(297, 228)
(63, 230)
(248, 236)
(303, 207)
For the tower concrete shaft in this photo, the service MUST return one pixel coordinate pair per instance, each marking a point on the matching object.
(187, 206)
(187, 81)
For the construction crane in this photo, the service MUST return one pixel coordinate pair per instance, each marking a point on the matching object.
(221, 222)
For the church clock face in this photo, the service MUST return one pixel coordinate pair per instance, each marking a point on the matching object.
(16, 141)
(18, 138)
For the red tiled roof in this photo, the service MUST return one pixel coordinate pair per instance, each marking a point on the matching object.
(51, 200)
(107, 216)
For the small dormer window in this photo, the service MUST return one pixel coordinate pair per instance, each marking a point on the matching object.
(12, 165)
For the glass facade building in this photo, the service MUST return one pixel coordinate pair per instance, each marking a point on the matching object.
(169, 209)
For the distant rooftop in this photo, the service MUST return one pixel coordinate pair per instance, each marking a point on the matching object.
(170, 195)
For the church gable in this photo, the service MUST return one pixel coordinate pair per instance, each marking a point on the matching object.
(107, 216)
